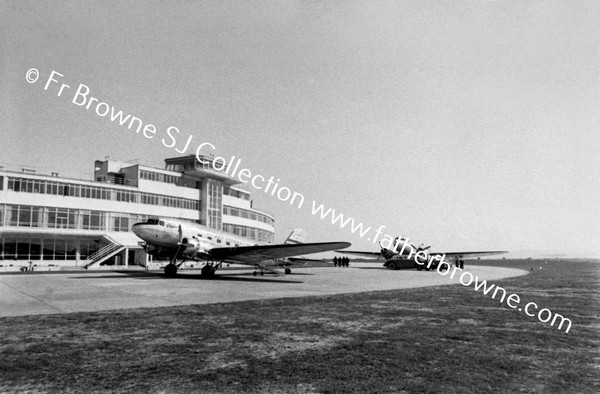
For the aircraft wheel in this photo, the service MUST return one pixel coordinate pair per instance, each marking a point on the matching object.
(392, 266)
(255, 273)
(288, 271)
(419, 267)
(207, 271)
(171, 270)
(262, 273)
(427, 268)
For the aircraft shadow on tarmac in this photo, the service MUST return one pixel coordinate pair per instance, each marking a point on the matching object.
(219, 277)
(372, 268)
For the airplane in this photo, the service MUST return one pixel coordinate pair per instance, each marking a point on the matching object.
(297, 236)
(173, 239)
(403, 254)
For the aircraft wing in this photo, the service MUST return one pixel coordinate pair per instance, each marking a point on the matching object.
(448, 254)
(468, 254)
(256, 254)
(359, 253)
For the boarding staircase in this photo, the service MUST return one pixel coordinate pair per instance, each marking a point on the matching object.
(104, 253)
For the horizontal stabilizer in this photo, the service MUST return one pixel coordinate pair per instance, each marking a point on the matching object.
(304, 262)
(467, 254)
(359, 253)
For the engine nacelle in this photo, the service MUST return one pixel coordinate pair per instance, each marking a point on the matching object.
(194, 247)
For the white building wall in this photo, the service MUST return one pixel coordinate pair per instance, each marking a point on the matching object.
(169, 189)
(236, 202)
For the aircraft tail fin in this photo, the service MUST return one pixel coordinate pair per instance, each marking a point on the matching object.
(297, 236)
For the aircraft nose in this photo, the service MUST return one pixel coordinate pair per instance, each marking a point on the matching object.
(140, 230)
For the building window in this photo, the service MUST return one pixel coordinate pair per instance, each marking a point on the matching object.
(214, 206)
(10, 248)
(120, 223)
(243, 213)
(12, 214)
(58, 218)
(84, 191)
(24, 216)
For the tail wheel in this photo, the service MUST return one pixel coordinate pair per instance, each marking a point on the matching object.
(392, 266)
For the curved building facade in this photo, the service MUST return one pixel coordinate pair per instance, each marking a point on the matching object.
(52, 221)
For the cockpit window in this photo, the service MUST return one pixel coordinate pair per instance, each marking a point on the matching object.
(161, 223)
(152, 221)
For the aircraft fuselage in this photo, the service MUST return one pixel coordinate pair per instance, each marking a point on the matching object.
(164, 236)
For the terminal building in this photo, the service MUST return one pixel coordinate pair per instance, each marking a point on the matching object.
(58, 222)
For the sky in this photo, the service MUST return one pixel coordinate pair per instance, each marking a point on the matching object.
(471, 125)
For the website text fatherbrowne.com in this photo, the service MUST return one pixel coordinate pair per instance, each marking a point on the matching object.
(172, 138)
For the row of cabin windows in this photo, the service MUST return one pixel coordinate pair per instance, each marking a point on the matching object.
(209, 237)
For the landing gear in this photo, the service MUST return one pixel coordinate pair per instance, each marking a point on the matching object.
(171, 270)
(172, 267)
(288, 271)
(208, 271)
(392, 265)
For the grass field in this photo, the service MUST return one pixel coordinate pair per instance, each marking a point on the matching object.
(438, 339)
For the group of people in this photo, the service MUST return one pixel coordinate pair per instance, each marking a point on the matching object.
(341, 262)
